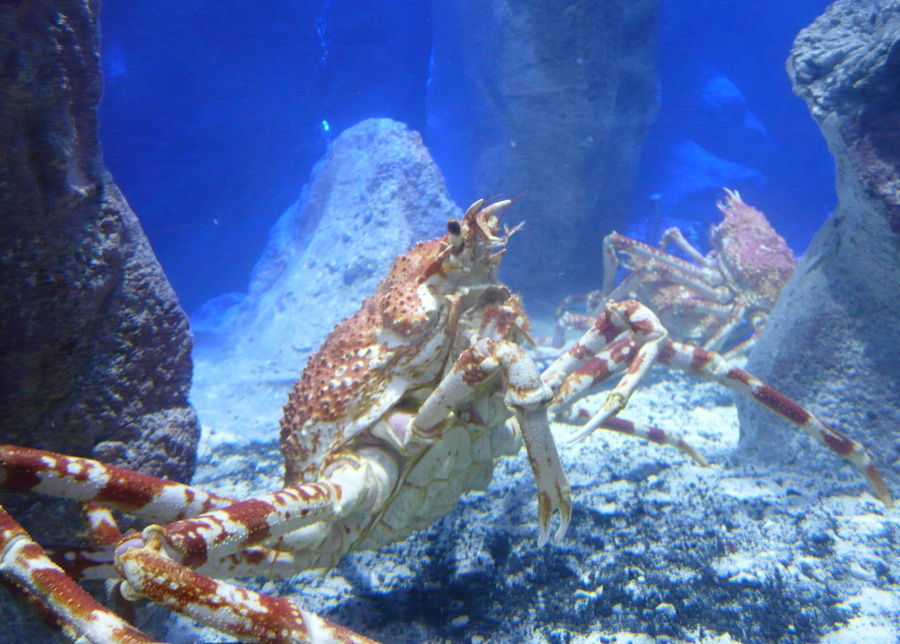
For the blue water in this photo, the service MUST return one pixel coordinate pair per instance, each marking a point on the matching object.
(215, 111)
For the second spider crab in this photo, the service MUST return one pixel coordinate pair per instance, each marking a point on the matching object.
(404, 408)
(708, 300)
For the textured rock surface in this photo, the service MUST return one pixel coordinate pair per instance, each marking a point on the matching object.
(375, 194)
(833, 340)
(551, 99)
(94, 348)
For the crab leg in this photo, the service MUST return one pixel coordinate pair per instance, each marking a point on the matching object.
(595, 339)
(699, 305)
(24, 469)
(675, 236)
(645, 432)
(594, 371)
(157, 563)
(604, 360)
(527, 397)
(81, 615)
(99, 486)
(654, 435)
(700, 279)
(356, 483)
(573, 380)
(98, 562)
(734, 321)
(712, 366)
(646, 334)
(242, 612)
(145, 560)
(101, 523)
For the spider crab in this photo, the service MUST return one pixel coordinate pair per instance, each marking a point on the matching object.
(403, 409)
(706, 300)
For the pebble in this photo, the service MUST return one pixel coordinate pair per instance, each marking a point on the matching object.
(666, 609)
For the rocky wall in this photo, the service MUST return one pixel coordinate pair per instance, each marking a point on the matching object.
(94, 347)
(551, 101)
(833, 340)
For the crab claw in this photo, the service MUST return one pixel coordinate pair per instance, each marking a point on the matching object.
(554, 492)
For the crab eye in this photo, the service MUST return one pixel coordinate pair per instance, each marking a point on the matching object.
(454, 232)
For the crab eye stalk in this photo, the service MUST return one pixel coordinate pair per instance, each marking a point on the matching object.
(454, 232)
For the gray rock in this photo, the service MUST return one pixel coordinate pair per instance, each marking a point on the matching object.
(553, 100)
(372, 197)
(833, 340)
(94, 348)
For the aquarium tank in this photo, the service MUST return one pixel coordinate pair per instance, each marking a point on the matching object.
(560, 321)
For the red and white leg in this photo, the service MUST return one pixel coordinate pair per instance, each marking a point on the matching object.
(241, 612)
(25, 469)
(592, 361)
(79, 614)
(153, 562)
(525, 395)
(601, 352)
(675, 236)
(158, 562)
(704, 280)
(645, 432)
(712, 366)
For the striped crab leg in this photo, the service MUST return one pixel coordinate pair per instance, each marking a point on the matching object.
(241, 612)
(155, 563)
(588, 365)
(648, 433)
(702, 279)
(625, 333)
(98, 562)
(24, 469)
(526, 396)
(712, 366)
(79, 614)
(632, 317)
(31, 470)
(99, 487)
(158, 563)
(619, 336)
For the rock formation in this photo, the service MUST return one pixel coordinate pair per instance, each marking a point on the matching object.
(375, 194)
(94, 348)
(833, 340)
(552, 100)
